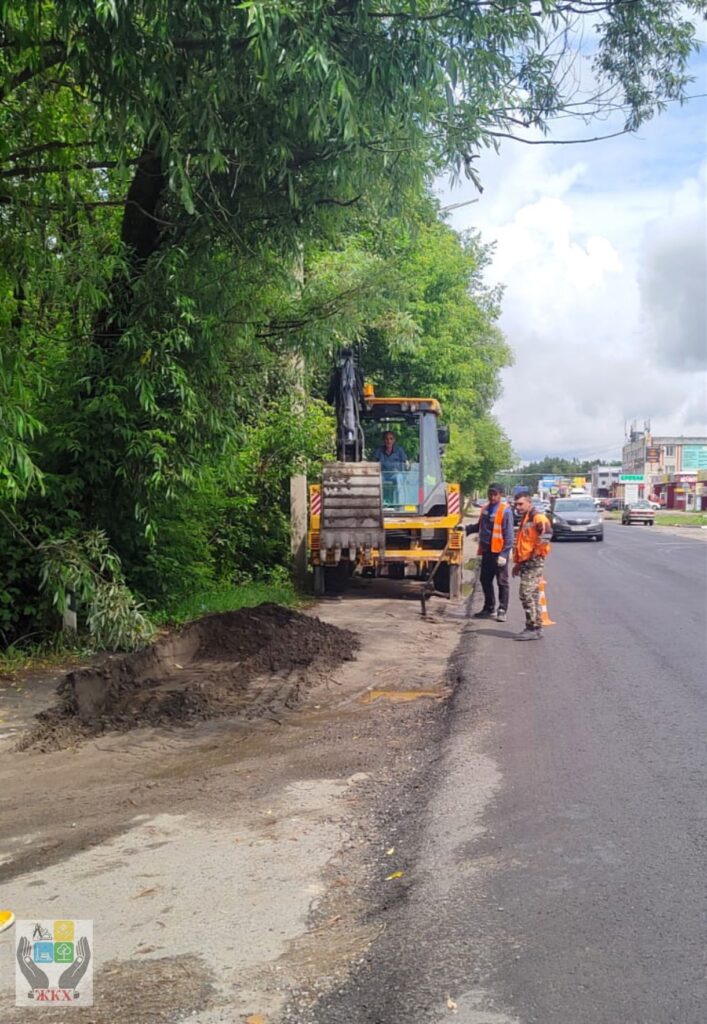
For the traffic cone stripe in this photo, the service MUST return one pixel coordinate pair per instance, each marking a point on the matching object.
(544, 614)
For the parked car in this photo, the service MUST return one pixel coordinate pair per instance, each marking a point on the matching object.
(638, 512)
(614, 505)
(576, 519)
(655, 505)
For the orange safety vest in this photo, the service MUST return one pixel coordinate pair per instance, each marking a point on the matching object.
(497, 542)
(529, 543)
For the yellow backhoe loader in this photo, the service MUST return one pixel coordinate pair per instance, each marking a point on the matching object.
(379, 514)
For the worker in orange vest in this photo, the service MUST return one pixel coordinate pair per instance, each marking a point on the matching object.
(495, 530)
(529, 553)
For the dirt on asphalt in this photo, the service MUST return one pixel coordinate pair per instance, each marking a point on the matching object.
(250, 662)
(223, 805)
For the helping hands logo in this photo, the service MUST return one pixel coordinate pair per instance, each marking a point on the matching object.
(53, 963)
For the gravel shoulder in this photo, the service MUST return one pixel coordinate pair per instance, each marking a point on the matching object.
(228, 862)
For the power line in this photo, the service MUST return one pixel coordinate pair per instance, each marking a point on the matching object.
(549, 472)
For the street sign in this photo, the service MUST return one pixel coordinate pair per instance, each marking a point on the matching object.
(631, 478)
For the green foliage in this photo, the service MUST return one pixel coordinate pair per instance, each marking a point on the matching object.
(458, 351)
(232, 525)
(86, 568)
(166, 171)
(476, 453)
(428, 327)
(276, 589)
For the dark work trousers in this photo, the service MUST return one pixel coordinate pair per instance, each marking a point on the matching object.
(490, 571)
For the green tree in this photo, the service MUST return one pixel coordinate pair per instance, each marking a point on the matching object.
(164, 166)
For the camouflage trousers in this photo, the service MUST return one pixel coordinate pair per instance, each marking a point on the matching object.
(531, 572)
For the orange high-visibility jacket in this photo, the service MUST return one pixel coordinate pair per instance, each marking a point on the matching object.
(530, 540)
(497, 541)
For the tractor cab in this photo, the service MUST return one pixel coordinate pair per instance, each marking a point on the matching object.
(411, 463)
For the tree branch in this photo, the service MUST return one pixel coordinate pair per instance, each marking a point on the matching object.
(30, 170)
(557, 142)
(49, 60)
(44, 147)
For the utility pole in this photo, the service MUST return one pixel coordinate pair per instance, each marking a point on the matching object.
(298, 527)
(298, 482)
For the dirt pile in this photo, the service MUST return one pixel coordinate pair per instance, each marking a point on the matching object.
(250, 663)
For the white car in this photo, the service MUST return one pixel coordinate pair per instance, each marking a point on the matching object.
(655, 506)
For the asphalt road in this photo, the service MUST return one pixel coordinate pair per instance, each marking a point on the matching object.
(558, 872)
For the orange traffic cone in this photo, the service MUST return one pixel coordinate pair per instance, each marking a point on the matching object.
(544, 614)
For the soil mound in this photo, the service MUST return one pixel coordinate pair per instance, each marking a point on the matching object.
(250, 662)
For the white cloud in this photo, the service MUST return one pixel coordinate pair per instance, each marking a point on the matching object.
(673, 279)
(603, 263)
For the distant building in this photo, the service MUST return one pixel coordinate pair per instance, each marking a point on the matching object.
(605, 480)
(670, 467)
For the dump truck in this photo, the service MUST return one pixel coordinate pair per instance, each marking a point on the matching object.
(369, 519)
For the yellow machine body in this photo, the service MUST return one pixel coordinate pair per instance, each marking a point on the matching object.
(412, 536)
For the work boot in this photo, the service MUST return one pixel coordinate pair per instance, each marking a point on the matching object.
(485, 613)
(501, 615)
(529, 633)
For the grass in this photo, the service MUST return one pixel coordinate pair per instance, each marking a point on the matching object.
(681, 519)
(228, 599)
(670, 518)
(56, 652)
(60, 650)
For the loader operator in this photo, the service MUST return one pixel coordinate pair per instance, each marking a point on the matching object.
(393, 462)
(391, 456)
(495, 530)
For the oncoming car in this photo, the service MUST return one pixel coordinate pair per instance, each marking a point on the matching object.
(576, 519)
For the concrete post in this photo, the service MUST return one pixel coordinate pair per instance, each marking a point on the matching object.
(298, 482)
(69, 619)
(298, 528)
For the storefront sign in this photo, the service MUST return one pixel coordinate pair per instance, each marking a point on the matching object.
(694, 456)
(631, 478)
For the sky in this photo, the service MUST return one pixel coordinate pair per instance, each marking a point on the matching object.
(601, 249)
